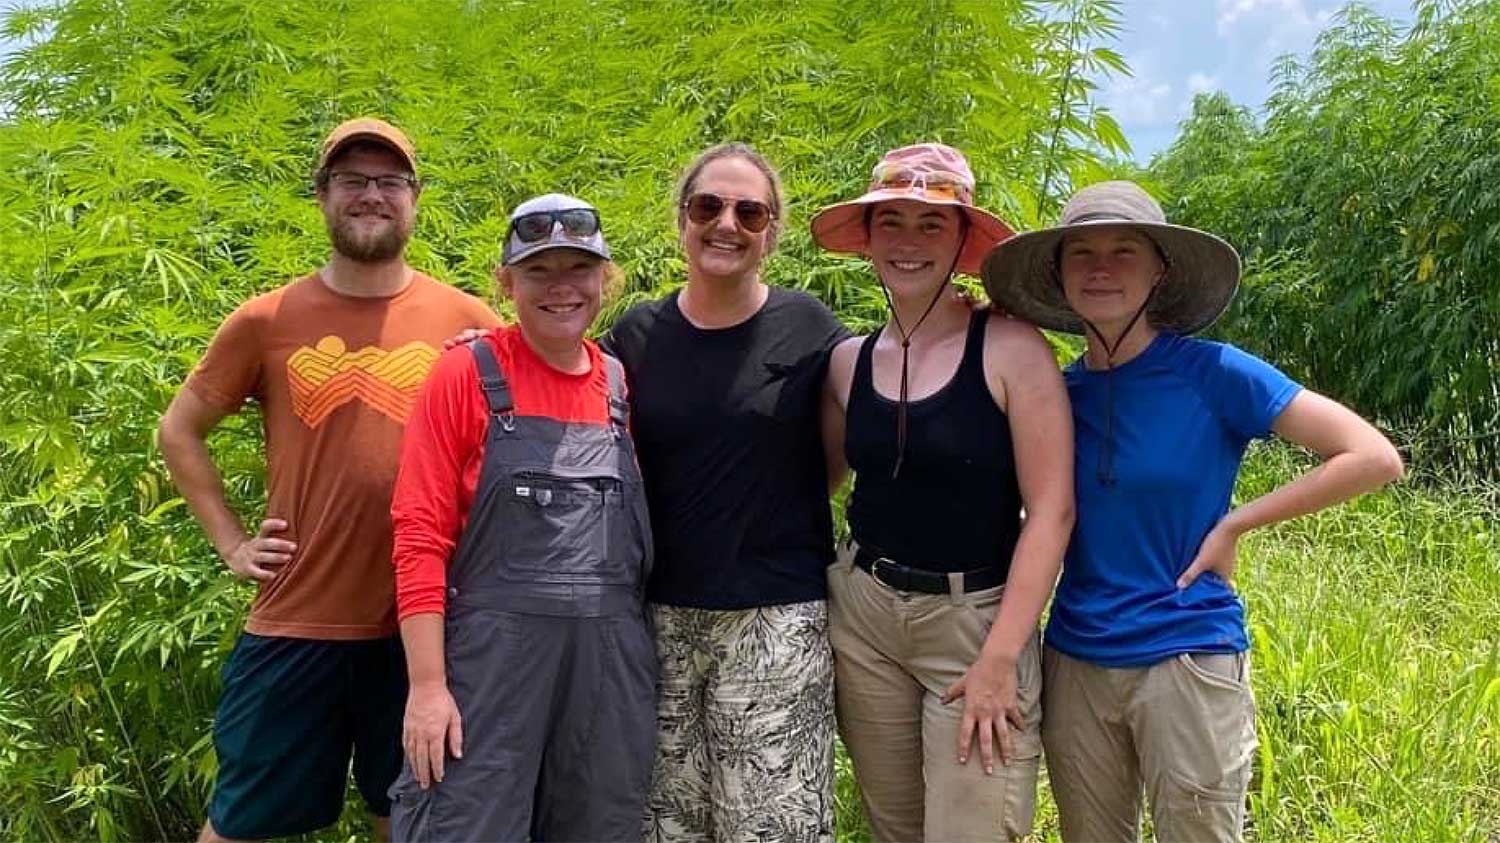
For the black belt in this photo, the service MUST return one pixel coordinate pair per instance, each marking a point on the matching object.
(905, 578)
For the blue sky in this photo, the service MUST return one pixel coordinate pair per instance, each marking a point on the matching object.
(1176, 48)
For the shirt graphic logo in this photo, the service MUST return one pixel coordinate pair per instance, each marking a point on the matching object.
(328, 376)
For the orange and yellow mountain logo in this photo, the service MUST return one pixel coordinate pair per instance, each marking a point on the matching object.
(328, 376)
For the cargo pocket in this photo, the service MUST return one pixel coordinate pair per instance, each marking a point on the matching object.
(1029, 698)
(1194, 811)
(558, 527)
(471, 803)
(1020, 797)
(411, 809)
(1208, 765)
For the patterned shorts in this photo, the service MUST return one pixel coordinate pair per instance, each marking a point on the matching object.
(745, 726)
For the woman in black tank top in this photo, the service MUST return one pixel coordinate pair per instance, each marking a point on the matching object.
(954, 421)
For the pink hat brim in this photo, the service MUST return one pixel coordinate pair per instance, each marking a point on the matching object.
(841, 228)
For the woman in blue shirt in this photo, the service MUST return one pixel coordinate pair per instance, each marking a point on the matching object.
(1145, 671)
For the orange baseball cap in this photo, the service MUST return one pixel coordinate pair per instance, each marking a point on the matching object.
(369, 129)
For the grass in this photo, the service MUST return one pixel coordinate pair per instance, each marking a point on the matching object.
(1376, 667)
(1376, 629)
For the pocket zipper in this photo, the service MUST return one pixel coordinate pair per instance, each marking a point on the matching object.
(602, 483)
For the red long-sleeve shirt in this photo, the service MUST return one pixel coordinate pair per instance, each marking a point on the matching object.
(443, 450)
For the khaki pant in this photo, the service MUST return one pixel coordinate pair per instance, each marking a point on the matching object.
(895, 653)
(1182, 730)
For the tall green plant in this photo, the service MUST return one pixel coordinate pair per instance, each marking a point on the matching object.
(156, 160)
(1366, 206)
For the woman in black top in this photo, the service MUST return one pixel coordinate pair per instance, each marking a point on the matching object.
(726, 380)
(953, 421)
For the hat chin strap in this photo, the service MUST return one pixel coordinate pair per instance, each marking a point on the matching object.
(1112, 348)
(1105, 470)
(906, 347)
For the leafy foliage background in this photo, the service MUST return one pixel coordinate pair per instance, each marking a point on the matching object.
(157, 156)
(154, 172)
(1365, 204)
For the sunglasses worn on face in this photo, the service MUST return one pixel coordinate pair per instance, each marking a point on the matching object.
(576, 222)
(704, 208)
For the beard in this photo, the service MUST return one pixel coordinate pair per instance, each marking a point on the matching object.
(358, 243)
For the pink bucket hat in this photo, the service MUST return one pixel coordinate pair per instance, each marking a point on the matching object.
(934, 173)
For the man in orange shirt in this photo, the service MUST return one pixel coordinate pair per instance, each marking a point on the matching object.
(334, 360)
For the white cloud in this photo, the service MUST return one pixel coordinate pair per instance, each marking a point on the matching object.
(1198, 82)
(1287, 12)
(1139, 101)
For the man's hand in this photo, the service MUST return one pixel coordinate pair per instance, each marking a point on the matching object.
(467, 335)
(262, 557)
(432, 725)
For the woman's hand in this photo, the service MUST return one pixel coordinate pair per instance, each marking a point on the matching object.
(988, 689)
(1218, 553)
(432, 724)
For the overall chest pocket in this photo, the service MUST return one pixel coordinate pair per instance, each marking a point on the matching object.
(573, 528)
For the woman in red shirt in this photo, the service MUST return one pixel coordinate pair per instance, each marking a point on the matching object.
(521, 548)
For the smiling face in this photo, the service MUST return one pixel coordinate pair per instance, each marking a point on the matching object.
(1107, 273)
(721, 249)
(368, 225)
(913, 244)
(556, 294)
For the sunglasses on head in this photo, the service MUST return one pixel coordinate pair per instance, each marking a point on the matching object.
(575, 222)
(704, 208)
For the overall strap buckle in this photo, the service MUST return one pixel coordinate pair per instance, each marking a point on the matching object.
(494, 384)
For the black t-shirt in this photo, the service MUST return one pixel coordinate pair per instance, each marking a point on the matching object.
(725, 423)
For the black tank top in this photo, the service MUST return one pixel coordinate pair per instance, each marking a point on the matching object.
(956, 505)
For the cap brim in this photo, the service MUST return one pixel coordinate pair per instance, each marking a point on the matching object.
(1202, 275)
(841, 227)
(533, 249)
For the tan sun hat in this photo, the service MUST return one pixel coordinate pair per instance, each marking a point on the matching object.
(934, 173)
(1021, 274)
(368, 129)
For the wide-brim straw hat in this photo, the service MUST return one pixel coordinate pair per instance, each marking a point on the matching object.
(1202, 271)
(933, 173)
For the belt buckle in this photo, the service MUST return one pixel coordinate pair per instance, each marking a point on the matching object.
(875, 572)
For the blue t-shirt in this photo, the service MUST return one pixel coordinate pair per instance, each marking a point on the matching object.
(1183, 411)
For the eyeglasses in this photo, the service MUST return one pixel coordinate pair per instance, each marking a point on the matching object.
(357, 182)
(753, 216)
(575, 222)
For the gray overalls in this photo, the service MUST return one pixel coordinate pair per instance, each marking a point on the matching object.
(549, 655)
